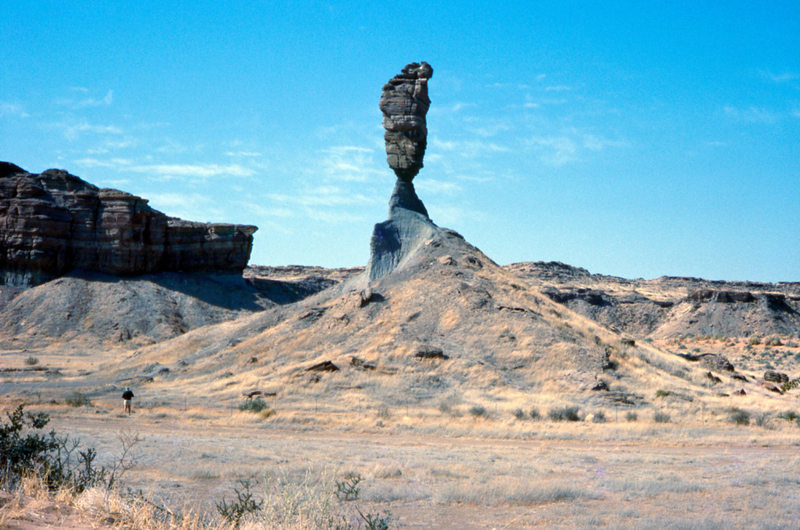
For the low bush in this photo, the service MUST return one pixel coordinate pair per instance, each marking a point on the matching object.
(739, 417)
(564, 414)
(76, 399)
(599, 417)
(661, 417)
(534, 414)
(243, 505)
(253, 405)
(631, 416)
(31, 361)
(348, 488)
(477, 411)
(25, 452)
(789, 415)
(519, 414)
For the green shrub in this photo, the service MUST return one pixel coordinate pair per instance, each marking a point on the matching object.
(773, 341)
(31, 361)
(739, 417)
(477, 411)
(384, 412)
(534, 414)
(599, 417)
(662, 393)
(48, 457)
(76, 399)
(789, 415)
(754, 340)
(564, 414)
(253, 405)
(661, 417)
(631, 416)
(762, 420)
(243, 505)
(348, 489)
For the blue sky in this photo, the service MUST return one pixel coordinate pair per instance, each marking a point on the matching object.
(637, 139)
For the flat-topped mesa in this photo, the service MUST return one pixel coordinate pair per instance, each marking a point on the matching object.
(55, 222)
(404, 104)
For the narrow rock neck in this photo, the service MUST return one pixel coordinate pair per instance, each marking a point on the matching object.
(405, 198)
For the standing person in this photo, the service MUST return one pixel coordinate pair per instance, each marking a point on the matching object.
(127, 396)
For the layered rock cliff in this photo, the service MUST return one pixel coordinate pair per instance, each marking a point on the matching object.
(54, 222)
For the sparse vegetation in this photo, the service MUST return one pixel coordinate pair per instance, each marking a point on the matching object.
(774, 340)
(32, 361)
(564, 414)
(534, 414)
(519, 414)
(599, 417)
(478, 411)
(384, 412)
(244, 505)
(789, 415)
(254, 405)
(662, 393)
(77, 399)
(24, 452)
(631, 416)
(739, 416)
(348, 488)
(661, 417)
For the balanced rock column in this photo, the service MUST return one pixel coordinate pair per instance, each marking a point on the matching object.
(404, 104)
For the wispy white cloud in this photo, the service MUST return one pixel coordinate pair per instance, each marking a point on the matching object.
(12, 109)
(243, 154)
(74, 131)
(191, 206)
(598, 143)
(436, 187)
(334, 216)
(751, 114)
(778, 78)
(324, 195)
(267, 211)
(558, 88)
(468, 148)
(115, 163)
(349, 163)
(194, 170)
(106, 100)
(490, 130)
(555, 150)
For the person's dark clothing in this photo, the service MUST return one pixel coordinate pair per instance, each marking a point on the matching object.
(127, 395)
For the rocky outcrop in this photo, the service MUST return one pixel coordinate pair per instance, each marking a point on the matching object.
(404, 104)
(54, 222)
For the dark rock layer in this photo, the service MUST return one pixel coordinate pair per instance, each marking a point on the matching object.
(404, 104)
(54, 222)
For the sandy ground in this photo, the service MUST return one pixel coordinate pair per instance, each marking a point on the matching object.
(439, 482)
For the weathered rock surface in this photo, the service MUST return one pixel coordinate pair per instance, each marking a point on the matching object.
(670, 306)
(404, 104)
(54, 222)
